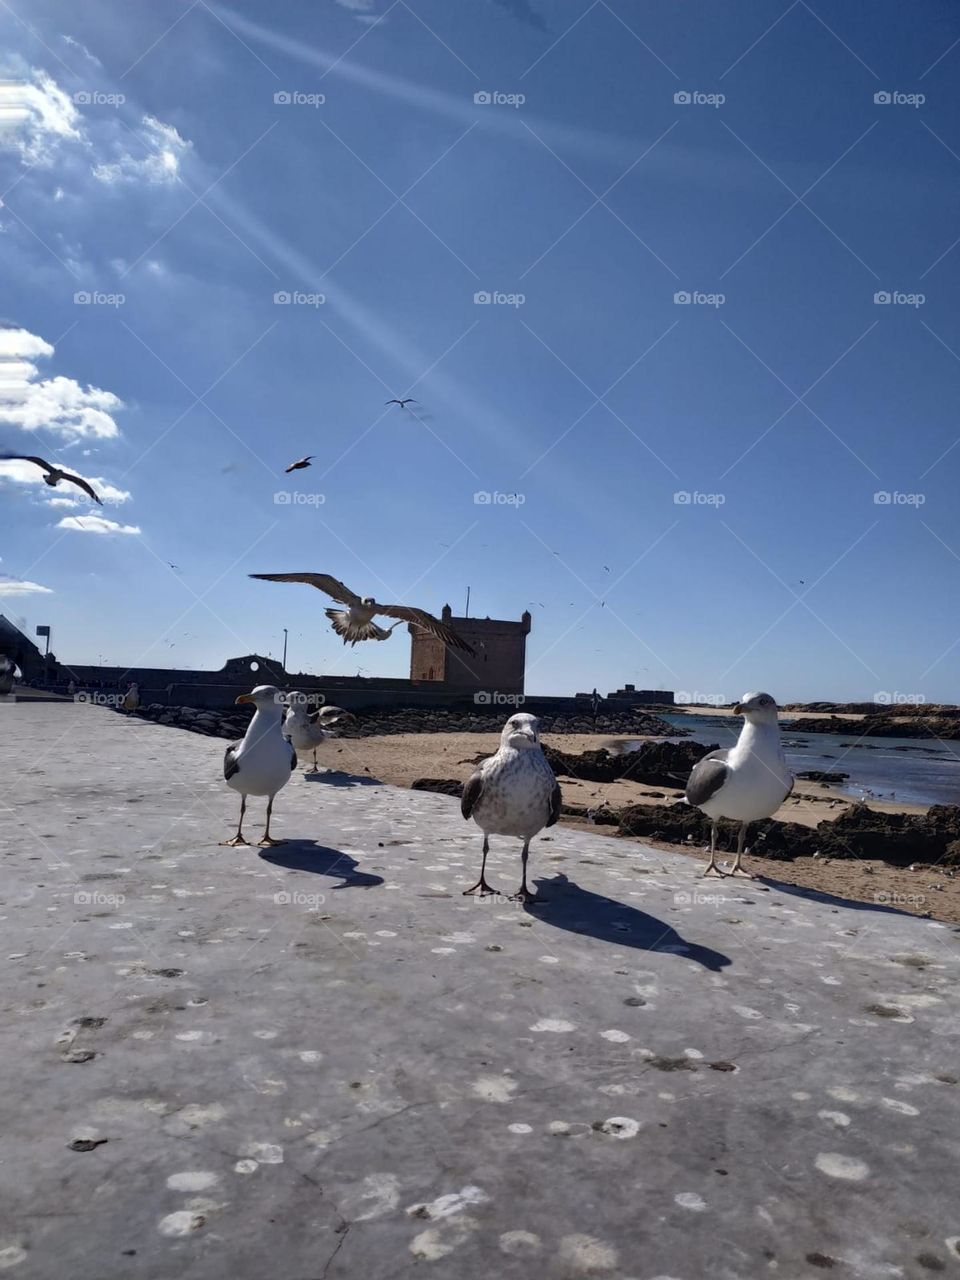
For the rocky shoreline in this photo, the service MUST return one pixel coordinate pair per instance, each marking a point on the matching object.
(232, 722)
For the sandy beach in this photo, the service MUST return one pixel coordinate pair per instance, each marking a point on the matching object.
(402, 758)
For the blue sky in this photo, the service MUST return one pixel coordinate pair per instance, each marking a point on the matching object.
(146, 155)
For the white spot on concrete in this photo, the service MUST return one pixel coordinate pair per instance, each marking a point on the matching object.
(447, 1205)
(494, 1088)
(836, 1118)
(843, 1094)
(903, 1108)
(180, 1223)
(520, 1243)
(11, 1255)
(189, 1035)
(553, 1024)
(520, 1128)
(376, 1195)
(266, 1035)
(246, 1166)
(693, 1053)
(543, 960)
(264, 1152)
(620, 1127)
(690, 1200)
(443, 951)
(799, 1096)
(192, 1181)
(310, 1055)
(587, 1253)
(835, 1165)
(437, 1242)
(745, 1011)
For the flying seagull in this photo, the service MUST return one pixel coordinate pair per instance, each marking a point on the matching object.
(356, 622)
(513, 793)
(746, 782)
(262, 763)
(52, 475)
(300, 463)
(403, 403)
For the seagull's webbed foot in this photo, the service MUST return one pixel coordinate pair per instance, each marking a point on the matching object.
(234, 843)
(526, 898)
(741, 874)
(713, 870)
(268, 842)
(482, 886)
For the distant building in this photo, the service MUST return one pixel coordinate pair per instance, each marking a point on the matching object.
(632, 696)
(19, 649)
(499, 664)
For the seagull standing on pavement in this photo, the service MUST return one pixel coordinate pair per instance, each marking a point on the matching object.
(744, 783)
(261, 764)
(513, 793)
(306, 728)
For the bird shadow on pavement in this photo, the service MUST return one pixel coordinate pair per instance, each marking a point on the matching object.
(567, 905)
(831, 899)
(307, 855)
(338, 778)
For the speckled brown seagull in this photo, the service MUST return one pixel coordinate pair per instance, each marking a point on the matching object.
(52, 475)
(355, 623)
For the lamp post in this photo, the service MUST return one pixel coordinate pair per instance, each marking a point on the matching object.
(284, 663)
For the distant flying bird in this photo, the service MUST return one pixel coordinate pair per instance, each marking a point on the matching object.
(300, 463)
(174, 567)
(52, 475)
(356, 622)
(403, 403)
(606, 568)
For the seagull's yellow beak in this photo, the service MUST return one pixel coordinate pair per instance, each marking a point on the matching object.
(737, 710)
(244, 697)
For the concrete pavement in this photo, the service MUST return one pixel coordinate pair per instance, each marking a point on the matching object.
(321, 1060)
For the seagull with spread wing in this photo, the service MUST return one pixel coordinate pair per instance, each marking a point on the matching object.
(403, 403)
(355, 623)
(52, 475)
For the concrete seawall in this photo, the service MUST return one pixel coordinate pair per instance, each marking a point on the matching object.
(320, 1060)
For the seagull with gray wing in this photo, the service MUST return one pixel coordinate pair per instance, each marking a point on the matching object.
(513, 793)
(306, 727)
(355, 623)
(262, 763)
(53, 475)
(743, 783)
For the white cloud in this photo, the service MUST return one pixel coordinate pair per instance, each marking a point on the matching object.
(36, 117)
(59, 404)
(163, 150)
(10, 586)
(96, 524)
(83, 49)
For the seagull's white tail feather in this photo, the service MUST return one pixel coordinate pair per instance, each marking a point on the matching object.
(351, 632)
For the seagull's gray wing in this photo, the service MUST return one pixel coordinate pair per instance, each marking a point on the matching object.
(293, 756)
(420, 618)
(26, 457)
(230, 765)
(328, 715)
(707, 777)
(472, 791)
(322, 581)
(555, 801)
(82, 484)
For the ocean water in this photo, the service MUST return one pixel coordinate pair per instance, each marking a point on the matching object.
(911, 770)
